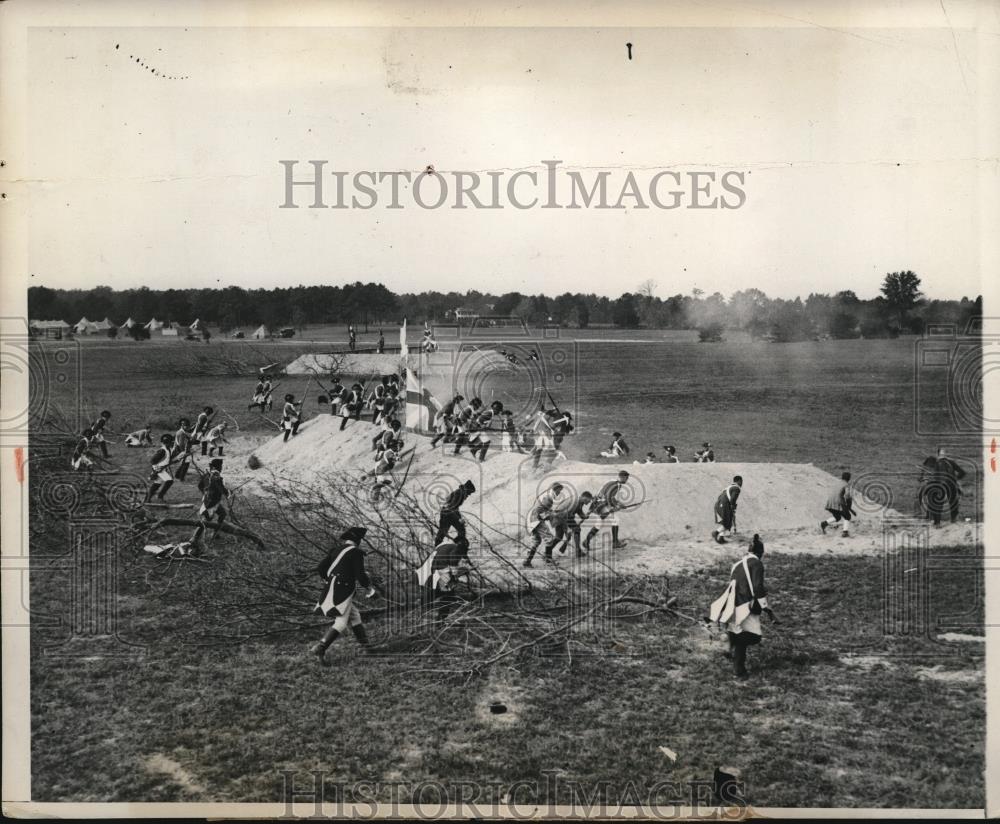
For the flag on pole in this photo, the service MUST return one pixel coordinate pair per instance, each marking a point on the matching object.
(421, 405)
(403, 351)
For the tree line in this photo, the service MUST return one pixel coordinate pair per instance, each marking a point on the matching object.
(899, 308)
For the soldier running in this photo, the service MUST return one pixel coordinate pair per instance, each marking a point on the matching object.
(706, 454)
(291, 416)
(161, 477)
(605, 504)
(725, 510)
(98, 427)
(545, 518)
(201, 427)
(439, 574)
(451, 517)
(215, 495)
(80, 458)
(216, 439)
(840, 505)
(182, 446)
(342, 570)
(444, 420)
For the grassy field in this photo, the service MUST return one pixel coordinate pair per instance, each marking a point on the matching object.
(837, 713)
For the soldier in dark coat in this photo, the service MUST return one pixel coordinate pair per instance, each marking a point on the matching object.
(749, 601)
(725, 510)
(941, 487)
(343, 570)
(214, 495)
(451, 517)
(438, 575)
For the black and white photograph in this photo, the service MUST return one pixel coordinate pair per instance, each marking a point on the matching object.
(460, 411)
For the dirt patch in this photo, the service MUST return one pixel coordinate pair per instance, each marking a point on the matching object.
(938, 673)
(160, 764)
(496, 695)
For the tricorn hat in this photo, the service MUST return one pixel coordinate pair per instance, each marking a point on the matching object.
(354, 534)
(469, 487)
(215, 463)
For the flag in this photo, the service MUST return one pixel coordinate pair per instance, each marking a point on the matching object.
(403, 351)
(421, 405)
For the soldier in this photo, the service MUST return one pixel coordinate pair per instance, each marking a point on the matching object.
(97, 427)
(376, 401)
(160, 476)
(671, 456)
(351, 405)
(747, 601)
(291, 416)
(941, 489)
(201, 427)
(385, 461)
(840, 505)
(550, 507)
(562, 425)
(268, 402)
(140, 437)
(574, 520)
(80, 458)
(618, 448)
(725, 510)
(352, 338)
(705, 455)
(540, 423)
(508, 432)
(215, 495)
(216, 438)
(387, 434)
(380, 346)
(258, 396)
(342, 570)
(439, 574)
(444, 420)
(182, 445)
(336, 396)
(450, 516)
(605, 504)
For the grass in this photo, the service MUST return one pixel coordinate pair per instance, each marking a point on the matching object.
(807, 730)
(837, 713)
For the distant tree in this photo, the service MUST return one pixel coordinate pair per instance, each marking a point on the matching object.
(625, 314)
(138, 332)
(647, 289)
(113, 332)
(506, 304)
(902, 293)
(843, 325)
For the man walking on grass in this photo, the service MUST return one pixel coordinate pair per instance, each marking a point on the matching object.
(343, 570)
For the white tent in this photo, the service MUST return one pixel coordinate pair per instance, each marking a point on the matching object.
(51, 328)
(261, 333)
(195, 325)
(154, 325)
(85, 327)
(104, 325)
(128, 324)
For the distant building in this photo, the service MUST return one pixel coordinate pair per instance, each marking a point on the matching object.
(57, 329)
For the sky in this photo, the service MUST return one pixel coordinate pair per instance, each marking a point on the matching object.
(859, 150)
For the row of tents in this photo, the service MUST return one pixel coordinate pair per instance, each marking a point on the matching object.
(61, 329)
